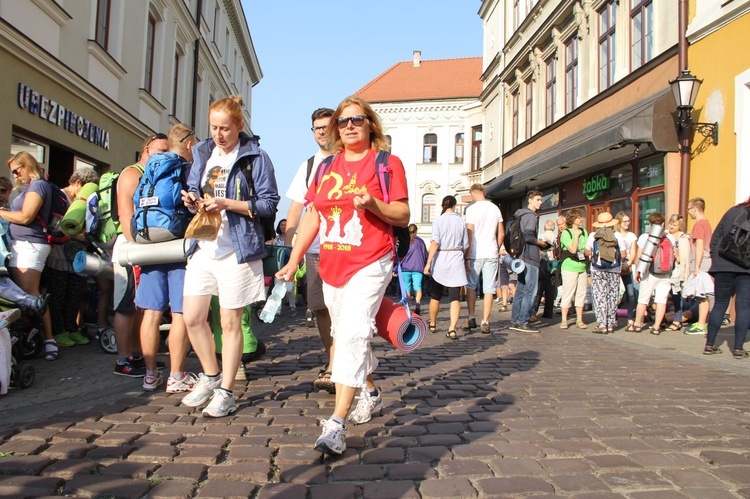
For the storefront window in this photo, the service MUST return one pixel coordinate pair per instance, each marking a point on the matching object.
(625, 205)
(621, 181)
(653, 203)
(550, 199)
(19, 144)
(651, 173)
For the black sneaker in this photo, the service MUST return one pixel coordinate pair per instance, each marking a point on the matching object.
(310, 318)
(138, 362)
(526, 328)
(255, 356)
(127, 369)
(470, 324)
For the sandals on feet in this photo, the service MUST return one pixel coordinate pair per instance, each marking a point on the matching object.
(675, 326)
(710, 350)
(655, 331)
(599, 330)
(564, 325)
(634, 328)
(740, 354)
(51, 351)
(451, 334)
(581, 325)
(324, 382)
(433, 328)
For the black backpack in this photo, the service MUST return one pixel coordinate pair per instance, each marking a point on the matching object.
(267, 224)
(735, 245)
(401, 238)
(514, 242)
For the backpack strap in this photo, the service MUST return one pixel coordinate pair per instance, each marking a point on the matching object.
(310, 162)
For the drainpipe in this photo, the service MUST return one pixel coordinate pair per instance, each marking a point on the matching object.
(196, 54)
(684, 132)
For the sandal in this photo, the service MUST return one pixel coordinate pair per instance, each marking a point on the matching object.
(324, 382)
(564, 325)
(740, 354)
(451, 334)
(655, 331)
(51, 351)
(433, 328)
(710, 350)
(675, 326)
(599, 330)
(634, 328)
(581, 325)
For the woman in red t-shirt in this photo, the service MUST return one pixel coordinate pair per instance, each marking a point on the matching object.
(347, 212)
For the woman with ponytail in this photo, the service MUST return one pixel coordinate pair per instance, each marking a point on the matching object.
(447, 263)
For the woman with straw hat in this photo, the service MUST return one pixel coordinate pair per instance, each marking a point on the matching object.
(606, 248)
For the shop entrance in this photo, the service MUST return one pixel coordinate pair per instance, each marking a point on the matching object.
(60, 166)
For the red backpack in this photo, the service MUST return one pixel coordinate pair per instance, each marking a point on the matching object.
(664, 260)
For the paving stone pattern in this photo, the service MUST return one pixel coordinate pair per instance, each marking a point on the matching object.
(556, 414)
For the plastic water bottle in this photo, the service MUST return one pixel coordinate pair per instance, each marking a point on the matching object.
(273, 303)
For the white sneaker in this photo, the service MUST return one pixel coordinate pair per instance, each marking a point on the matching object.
(222, 404)
(151, 383)
(366, 406)
(333, 439)
(202, 391)
(186, 384)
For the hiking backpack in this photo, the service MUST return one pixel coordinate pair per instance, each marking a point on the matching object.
(52, 226)
(108, 218)
(735, 245)
(663, 261)
(606, 252)
(160, 214)
(401, 240)
(514, 242)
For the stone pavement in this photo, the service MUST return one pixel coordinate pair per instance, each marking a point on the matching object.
(558, 414)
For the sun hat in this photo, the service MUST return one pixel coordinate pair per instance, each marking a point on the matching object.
(604, 219)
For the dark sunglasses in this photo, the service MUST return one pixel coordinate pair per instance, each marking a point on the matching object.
(191, 132)
(157, 136)
(15, 172)
(343, 121)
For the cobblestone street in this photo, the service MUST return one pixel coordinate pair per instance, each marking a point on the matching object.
(558, 414)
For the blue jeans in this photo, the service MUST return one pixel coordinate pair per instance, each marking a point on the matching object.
(523, 300)
(724, 284)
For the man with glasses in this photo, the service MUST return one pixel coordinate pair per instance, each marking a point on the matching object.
(297, 190)
(126, 320)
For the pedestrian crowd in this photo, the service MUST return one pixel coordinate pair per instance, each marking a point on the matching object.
(338, 233)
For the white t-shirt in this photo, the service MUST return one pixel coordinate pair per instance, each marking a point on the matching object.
(298, 189)
(629, 238)
(214, 183)
(485, 217)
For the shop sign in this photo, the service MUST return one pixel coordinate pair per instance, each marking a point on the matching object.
(49, 110)
(595, 186)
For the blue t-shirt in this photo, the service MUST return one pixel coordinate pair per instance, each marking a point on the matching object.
(34, 232)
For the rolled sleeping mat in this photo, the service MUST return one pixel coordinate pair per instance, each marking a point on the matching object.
(393, 326)
(153, 254)
(92, 264)
(649, 249)
(515, 265)
(73, 222)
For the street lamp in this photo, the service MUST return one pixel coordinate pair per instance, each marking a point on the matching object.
(685, 90)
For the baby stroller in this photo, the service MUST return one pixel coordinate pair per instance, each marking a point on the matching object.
(12, 372)
(25, 332)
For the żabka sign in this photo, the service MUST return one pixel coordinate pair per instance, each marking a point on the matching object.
(595, 186)
(55, 113)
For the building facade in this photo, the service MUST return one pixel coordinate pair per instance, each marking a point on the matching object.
(429, 109)
(88, 80)
(718, 54)
(577, 95)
